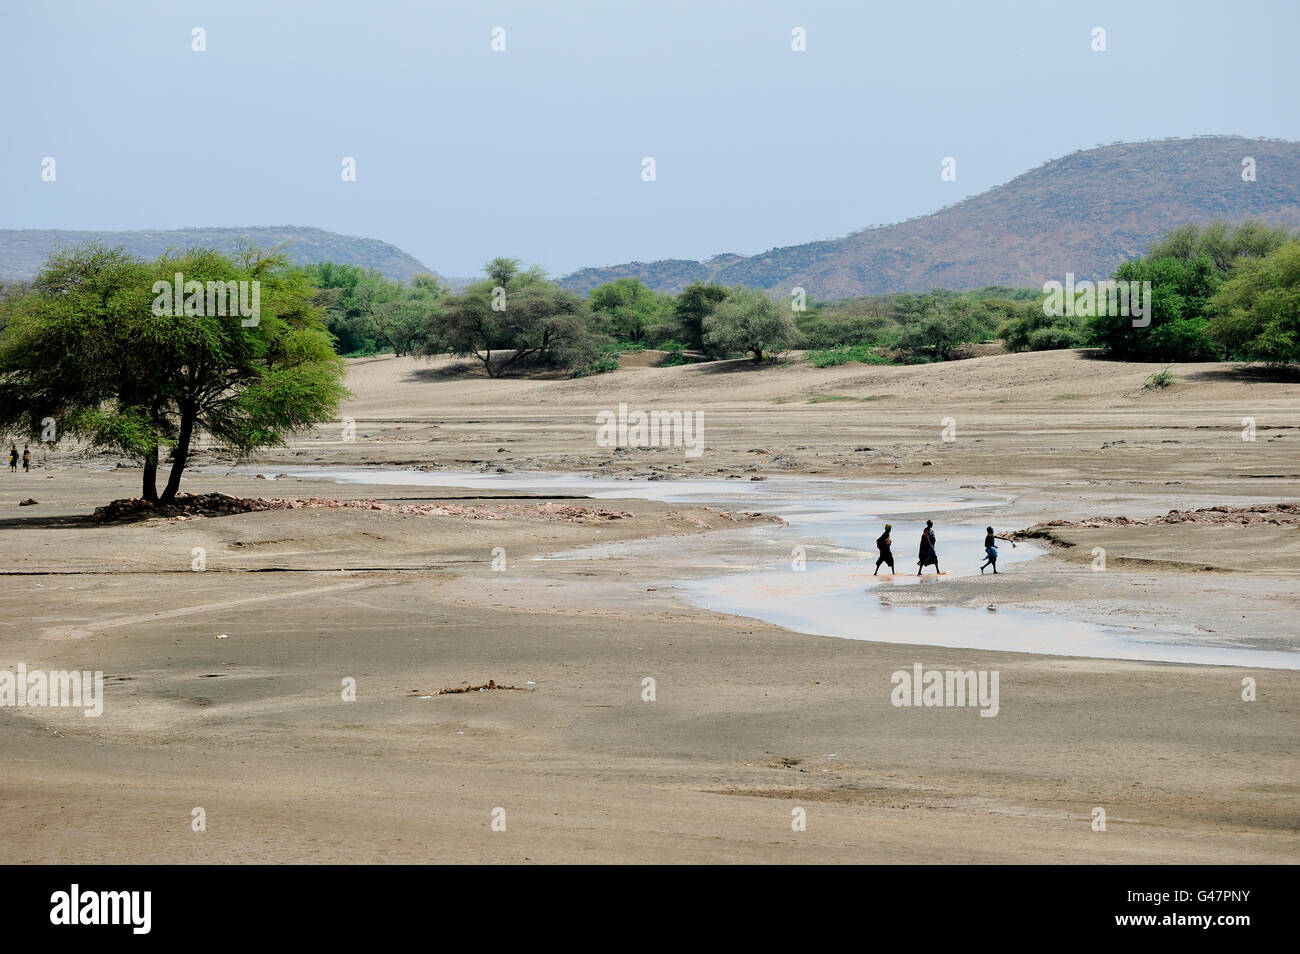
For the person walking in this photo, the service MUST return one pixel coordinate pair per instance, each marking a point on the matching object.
(927, 554)
(13, 458)
(883, 544)
(991, 550)
(27, 459)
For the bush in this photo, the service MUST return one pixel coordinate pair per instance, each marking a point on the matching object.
(834, 357)
(602, 365)
(1053, 338)
(939, 336)
(1161, 379)
(1184, 340)
(1256, 314)
(821, 331)
(673, 359)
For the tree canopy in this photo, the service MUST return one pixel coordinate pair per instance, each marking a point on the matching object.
(92, 349)
(750, 322)
(1255, 315)
(513, 319)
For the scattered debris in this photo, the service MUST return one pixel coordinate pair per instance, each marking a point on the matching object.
(746, 515)
(218, 505)
(1279, 514)
(490, 684)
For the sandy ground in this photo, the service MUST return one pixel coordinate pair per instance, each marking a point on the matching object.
(749, 722)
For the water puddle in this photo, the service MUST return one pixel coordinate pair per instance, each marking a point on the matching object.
(749, 572)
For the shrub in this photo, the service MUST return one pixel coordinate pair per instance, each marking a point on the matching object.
(1161, 379)
(1053, 338)
(602, 365)
(834, 357)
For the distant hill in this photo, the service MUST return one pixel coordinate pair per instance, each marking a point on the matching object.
(1084, 213)
(23, 251)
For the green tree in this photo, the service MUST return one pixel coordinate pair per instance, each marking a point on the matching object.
(94, 347)
(407, 321)
(1255, 315)
(349, 294)
(531, 320)
(1185, 269)
(695, 303)
(1180, 290)
(1027, 328)
(628, 310)
(1223, 243)
(750, 322)
(501, 271)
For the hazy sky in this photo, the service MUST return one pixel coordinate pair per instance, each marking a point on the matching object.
(463, 153)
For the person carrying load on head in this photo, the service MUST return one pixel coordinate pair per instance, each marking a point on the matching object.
(883, 544)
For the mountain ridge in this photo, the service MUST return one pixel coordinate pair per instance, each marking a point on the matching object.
(1085, 212)
(23, 251)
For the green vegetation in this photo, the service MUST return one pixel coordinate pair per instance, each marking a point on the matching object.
(1186, 270)
(369, 314)
(605, 363)
(834, 357)
(515, 319)
(1161, 379)
(696, 302)
(92, 353)
(628, 311)
(749, 322)
(1255, 314)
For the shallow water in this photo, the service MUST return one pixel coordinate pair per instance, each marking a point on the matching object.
(837, 522)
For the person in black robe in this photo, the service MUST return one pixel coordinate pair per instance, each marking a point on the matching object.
(927, 555)
(883, 544)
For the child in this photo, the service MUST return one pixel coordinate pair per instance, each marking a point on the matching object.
(991, 550)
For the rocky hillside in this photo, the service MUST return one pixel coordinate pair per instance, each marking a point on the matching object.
(23, 251)
(1084, 213)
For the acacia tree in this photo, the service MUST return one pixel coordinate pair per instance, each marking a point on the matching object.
(407, 320)
(514, 318)
(628, 309)
(92, 348)
(1255, 315)
(748, 321)
(696, 301)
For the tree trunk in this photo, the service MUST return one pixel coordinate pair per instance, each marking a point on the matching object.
(150, 489)
(180, 454)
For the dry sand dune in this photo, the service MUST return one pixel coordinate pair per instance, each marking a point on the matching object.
(750, 720)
